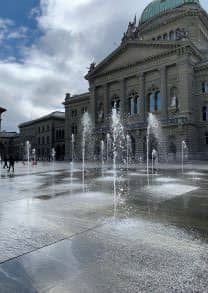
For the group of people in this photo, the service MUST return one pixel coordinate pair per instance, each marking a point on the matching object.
(8, 163)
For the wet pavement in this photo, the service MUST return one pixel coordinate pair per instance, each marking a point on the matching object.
(60, 235)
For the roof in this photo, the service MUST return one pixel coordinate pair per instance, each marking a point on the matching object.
(53, 115)
(5, 134)
(157, 7)
(82, 97)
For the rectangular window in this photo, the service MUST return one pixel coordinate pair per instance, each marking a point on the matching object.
(84, 110)
(204, 114)
(204, 86)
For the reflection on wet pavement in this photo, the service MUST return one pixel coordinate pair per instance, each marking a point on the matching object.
(56, 238)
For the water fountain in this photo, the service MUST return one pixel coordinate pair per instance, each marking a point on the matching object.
(118, 147)
(53, 155)
(28, 146)
(34, 156)
(102, 148)
(184, 148)
(155, 129)
(109, 144)
(72, 156)
(86, 133)
(128, 150)
(154, 161)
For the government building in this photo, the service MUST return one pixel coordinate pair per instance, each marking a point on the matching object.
(44, 134)
(160, 67)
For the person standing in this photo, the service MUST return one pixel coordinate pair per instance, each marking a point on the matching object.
(11, 164)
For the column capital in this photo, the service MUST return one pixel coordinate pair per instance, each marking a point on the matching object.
(140, 75)
(121, 80)
(163, 68)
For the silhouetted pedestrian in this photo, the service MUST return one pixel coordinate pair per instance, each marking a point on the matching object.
(5, 162)
(11, 164)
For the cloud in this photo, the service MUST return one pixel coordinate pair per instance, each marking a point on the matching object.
(73, 34)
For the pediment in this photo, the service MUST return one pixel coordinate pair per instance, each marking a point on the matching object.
(129, 54)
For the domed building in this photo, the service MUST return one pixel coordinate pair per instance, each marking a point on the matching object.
(160, 67)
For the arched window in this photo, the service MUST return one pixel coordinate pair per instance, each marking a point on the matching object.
(116, 103)
(205, 87)
(165, 37)
(100, 113)
(178, 34)
(151, 102)
(174, 98)
(205, 113)
(154, 101)
(172, 148)
(133, 103)
(171, 35)
(157, 101)
(74, 129)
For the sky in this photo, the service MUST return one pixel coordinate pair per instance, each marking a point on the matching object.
(46, 47)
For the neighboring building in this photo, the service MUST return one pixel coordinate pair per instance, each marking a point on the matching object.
(9, 141)
(44, 134)
(10, 144)
(75, 107)
(2, 110)
(160, 67)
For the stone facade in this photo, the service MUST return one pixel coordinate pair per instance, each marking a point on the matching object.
(161, 67)
(44, 134)
(10, 145)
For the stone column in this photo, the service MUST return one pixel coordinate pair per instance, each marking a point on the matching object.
(143, 101)
(106, 102)
(92, 105)
(123, 98)
(163, 92)
(185, 86)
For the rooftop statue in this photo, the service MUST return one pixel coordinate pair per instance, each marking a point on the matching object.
(92, 67)
(131, 33)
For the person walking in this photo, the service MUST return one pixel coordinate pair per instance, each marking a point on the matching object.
(11, 164)
(5, 162)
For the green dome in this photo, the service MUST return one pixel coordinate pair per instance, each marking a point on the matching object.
(158, 6)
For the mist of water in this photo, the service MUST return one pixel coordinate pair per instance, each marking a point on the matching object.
(86, 133)
(118, 148)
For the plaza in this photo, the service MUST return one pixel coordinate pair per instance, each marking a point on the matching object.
(62, 234)
(110, 193)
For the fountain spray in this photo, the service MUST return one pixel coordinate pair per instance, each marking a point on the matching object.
(102, 147)
(109, 142)
(183, 148)
(72, 154)
(86, 132)
(118, 142)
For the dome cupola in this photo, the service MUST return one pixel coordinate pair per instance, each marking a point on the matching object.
(157, 7)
